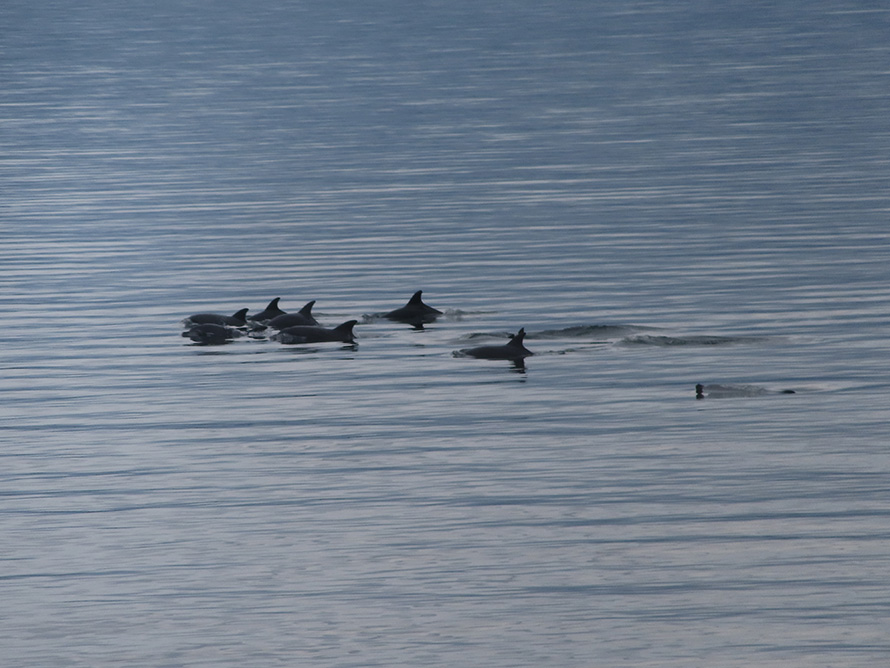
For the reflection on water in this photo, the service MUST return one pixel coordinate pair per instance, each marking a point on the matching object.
(660, 194)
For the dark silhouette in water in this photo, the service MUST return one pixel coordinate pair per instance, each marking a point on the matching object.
(237, 319)
(513, 350)
(415, 312)
(268, 313)
(303, 318)
(307, 334)
(210, 334)
(734, 391)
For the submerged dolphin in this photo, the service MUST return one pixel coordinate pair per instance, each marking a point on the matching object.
(303, 318)
(269, 312)
(237, 319)
(310, 334)
(513, 350)
(415, 312)
(210, 334)
(734, 391)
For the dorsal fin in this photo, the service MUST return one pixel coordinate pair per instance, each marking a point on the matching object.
(346, 326)
(239, 315)
(307, 310)
(517, 340)
(415, 298)
(273, 305)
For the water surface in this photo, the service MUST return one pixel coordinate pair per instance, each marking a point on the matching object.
(662, 194)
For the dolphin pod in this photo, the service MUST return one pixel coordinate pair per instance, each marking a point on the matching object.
(213, 329)
(292, 328)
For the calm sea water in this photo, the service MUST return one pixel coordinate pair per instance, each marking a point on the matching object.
(662, 193)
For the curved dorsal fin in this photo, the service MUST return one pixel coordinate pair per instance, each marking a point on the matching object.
(307, 310)
(415, 298)
(239, 315)
(346, 326)
(273, 305)
(517, 340)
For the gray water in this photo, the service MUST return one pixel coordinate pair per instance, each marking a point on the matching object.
(662, 193)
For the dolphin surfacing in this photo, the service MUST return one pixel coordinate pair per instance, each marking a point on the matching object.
(302, 318)
(513, 350)
(211, 334)
(734, 391)
(271, 311)
(314, 334)
(237, 319)
(415, 312)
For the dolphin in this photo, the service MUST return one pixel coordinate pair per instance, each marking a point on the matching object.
(237, 319)
(210, 334)
(310, 334)
(415, 312)
(268, 313)
(513, 350)
(734, 391)
(302, 318)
